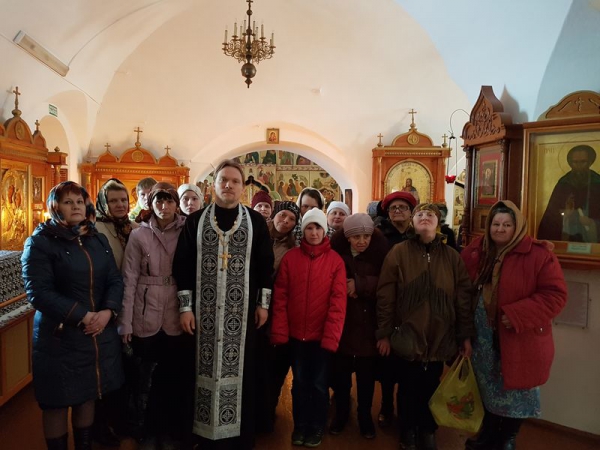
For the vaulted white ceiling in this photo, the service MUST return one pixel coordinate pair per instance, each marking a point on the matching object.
(344, 71)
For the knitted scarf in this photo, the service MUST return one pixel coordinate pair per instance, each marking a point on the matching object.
(492, 259)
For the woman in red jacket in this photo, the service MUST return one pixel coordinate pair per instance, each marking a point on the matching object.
(308, 310)
(520, 290)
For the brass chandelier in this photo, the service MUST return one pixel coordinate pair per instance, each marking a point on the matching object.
(248, 46)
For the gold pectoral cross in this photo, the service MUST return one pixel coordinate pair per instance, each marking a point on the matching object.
(224, 259)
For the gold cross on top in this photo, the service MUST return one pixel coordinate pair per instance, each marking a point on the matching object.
(17, 93)
(412, 112)
(138, 131)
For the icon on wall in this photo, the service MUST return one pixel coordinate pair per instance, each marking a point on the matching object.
(272, 135)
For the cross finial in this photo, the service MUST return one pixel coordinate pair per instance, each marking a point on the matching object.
(379, 144)
(17, 93)
(37, 125)
(445, 137)
(137, 140)
(107, 146)
(167, 148)
(412, 112)
(16, 111)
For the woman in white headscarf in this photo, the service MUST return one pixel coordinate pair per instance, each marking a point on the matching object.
(190, 199)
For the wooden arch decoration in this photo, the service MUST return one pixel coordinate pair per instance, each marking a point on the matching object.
(411, 152)
(576, 104)
(487, 120)
(134, 164)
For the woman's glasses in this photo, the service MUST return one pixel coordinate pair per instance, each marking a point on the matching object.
(399, 208)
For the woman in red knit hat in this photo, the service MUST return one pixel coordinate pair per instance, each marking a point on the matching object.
(263, 203)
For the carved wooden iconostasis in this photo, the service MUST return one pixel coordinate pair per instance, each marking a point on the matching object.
(494, 153)
(27, 173)
(134, 164)
(411, 163)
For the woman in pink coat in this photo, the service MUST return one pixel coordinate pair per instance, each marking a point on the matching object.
(520, 290)
(149, 319)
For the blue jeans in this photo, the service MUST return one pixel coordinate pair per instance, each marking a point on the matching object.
(310, 388)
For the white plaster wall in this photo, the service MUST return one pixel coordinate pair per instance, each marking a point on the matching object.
(38, 86)
(344, 72)
(484, 43)
(330, 92)
(572, 395)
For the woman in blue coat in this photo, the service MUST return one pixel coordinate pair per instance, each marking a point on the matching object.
(72, 281)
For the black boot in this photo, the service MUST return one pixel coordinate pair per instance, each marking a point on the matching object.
(427, 441)
(141, 399)
(508, 433)
(101, 431)
(488, 435)
(365, 424)
(59, 443)
(408, 440)
(82, 438)
(104, 435)
(342, 412)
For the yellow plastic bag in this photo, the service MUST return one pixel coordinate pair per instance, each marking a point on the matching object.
(456, 402)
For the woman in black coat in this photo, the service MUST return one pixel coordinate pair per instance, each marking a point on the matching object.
(72, 281)
(363, 249)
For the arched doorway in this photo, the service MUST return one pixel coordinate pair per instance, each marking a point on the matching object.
(283, 173)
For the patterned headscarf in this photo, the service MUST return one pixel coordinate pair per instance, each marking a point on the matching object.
(122, 225)
(57, 223)
(491, 264)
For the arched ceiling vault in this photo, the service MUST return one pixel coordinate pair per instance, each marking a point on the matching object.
(344, 70)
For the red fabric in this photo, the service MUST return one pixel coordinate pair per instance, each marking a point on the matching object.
(309, 301)
(531, 292)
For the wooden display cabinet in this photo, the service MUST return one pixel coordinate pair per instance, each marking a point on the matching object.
(494, 154)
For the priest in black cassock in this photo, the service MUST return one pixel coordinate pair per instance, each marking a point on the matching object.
(223, 266)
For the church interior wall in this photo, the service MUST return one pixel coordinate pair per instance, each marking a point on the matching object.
(572, 395)
(573, 65)
(329, 104)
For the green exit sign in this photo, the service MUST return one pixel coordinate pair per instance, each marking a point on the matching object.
(52, 110)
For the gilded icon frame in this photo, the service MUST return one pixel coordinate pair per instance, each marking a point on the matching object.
(272, 136)
(489, 175)
(554, 197)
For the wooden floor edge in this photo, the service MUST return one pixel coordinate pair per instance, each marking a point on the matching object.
(584, 435)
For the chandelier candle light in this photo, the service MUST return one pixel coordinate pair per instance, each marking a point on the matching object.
(248, 46)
